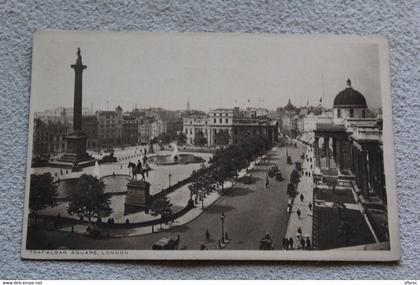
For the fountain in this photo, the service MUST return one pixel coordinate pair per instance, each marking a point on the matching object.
(175, 153)
(97, 170)
(176, 158)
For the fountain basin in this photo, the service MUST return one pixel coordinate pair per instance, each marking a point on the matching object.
(114, 185)
(183, 158)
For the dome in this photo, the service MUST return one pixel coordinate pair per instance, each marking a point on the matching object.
(349, 98)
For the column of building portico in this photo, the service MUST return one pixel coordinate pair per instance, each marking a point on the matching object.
(353, 159)
(375, 173)
(380, 176)
(363, 173)
(316, 150)
(209, 138)
(327, 151)
(338, 151)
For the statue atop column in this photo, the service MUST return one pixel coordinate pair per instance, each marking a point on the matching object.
(76, 154)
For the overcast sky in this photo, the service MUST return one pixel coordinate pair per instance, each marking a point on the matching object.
(209, 70)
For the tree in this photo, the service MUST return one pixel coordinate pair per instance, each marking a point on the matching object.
(88, 199)
(181, 139)
(164, 138)
(222, 137)
(200, 139)
(43, 193)
(161, 205)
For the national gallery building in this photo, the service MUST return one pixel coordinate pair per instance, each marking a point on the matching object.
(348, 152)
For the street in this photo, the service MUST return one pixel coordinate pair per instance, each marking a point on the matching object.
(250, 211)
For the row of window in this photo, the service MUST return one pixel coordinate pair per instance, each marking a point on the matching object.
(351, 113)
(221, 121)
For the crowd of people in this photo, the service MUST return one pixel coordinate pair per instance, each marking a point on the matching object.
(302, 243)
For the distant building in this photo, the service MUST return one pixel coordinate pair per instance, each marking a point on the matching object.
(158, 127)
(236, 123)
(256, 112)
(60, 115)
(310, 121)
(145, 129)
(110, 127)
(49, 137)
(40, 138)
(130, 130)
(90, 128)
(173, 127)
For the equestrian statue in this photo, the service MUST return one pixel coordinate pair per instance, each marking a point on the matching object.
(138, 169)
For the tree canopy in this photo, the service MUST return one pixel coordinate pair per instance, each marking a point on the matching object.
(161, 205)
(181, 139)
(200, 139)
(42, 194)
(226, 163)
(88, 199)
(221, 137)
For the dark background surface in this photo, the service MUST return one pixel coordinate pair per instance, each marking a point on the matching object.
(397, 20)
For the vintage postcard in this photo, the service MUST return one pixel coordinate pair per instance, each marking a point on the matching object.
(210, 146)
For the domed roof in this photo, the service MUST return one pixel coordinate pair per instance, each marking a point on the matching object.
(350, 98)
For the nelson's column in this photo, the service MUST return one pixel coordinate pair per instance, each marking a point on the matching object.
(76, 156)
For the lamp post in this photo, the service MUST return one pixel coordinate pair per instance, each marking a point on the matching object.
(222, 220)
(169, 176)
(267, 182)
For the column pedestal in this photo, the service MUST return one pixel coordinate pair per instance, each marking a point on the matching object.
(138, 196)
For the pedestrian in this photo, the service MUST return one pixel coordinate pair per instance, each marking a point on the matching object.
(291, 242)
(298, 213)
(127, 223)
(286, 241)
(299, 230)
(207, 235)
(308, 243)
(283, 243)
(301, 197)
(310, 206)
(219, 244)
(302, 243)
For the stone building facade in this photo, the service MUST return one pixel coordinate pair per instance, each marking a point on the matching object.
(237, 124)
(353, 149)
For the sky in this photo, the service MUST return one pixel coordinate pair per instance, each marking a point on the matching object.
(208, 70)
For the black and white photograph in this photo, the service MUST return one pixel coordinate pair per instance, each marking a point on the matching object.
(210, 146)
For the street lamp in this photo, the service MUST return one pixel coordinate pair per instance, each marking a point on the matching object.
(222, 220)
(169, 176)
(267, 182)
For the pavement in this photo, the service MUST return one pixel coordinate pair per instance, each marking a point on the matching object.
(250, 210)
(305, 188)
(179, 198)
